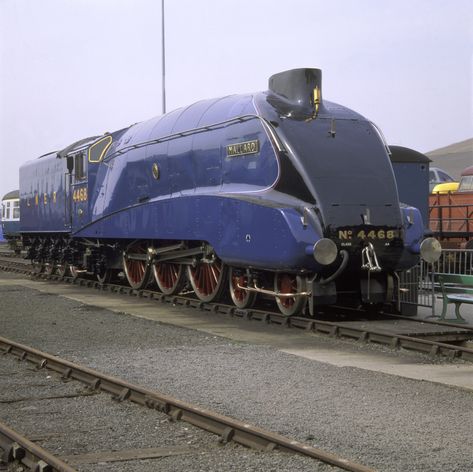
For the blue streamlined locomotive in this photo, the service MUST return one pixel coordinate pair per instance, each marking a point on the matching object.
(278, 193)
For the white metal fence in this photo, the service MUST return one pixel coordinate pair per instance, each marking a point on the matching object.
(417, 284)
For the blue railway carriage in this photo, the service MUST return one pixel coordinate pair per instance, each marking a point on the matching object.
(11, 219)
(279, 194)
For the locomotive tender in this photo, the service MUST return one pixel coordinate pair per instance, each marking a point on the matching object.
(279, 193)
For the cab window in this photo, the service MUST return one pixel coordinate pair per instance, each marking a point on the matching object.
(466, 184)
(79, 166)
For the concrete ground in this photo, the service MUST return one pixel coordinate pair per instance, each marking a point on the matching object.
(342, 353)
(363, 401)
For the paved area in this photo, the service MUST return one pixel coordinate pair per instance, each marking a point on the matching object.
(388, 422)
(307, 345)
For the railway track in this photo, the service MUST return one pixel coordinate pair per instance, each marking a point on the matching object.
(19, 448)
(426, 336)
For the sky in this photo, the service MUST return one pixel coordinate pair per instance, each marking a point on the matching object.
(76, 68)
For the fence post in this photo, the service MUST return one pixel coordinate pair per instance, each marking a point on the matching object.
(432, 281)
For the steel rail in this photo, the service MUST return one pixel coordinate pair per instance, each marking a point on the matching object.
(331, 328)
(17, 447)
(339, 330)
(227, 428)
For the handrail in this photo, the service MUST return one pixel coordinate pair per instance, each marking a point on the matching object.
(185, 133)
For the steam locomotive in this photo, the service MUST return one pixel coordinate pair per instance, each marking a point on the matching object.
(279, 193)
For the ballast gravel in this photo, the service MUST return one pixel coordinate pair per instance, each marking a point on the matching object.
(388, 423)
(37, 402)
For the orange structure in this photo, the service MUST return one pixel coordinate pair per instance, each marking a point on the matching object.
(451, 214)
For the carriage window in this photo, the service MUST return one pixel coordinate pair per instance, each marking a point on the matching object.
(98, 150)
(7, 210)
(16, 210)
(3, 210)
(466, 184)
(79, 166)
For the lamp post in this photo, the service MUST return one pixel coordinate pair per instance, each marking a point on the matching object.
(163, 58)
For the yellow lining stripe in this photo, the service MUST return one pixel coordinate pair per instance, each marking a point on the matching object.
(105, 149)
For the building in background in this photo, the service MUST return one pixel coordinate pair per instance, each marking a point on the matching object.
(453, 158)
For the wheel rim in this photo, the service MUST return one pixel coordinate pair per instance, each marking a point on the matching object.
(240, 297)
(49, 268)
(61, 269)
(168, 277)
(136, 271)
(74, 271)
(105, 276)
(38, 266)
(289, 283)
(207, 280)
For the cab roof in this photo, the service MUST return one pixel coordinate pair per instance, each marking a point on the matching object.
(468, 171)
(11, 195)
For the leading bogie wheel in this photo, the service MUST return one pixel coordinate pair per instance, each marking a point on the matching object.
(207, 279)
(242, 298)
(287, 284)
(137, 271)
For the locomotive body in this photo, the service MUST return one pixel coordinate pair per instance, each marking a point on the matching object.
(294, 195)
(44, 202)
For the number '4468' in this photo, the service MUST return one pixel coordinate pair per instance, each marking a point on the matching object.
(380, 234)
(80, 194)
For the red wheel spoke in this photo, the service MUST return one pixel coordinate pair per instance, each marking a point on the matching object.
(215, 274)
(204, 280)
(210, 284)
(168, 277)
(207, 279)
(241, 298)
(289, 283)
(136, 271)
